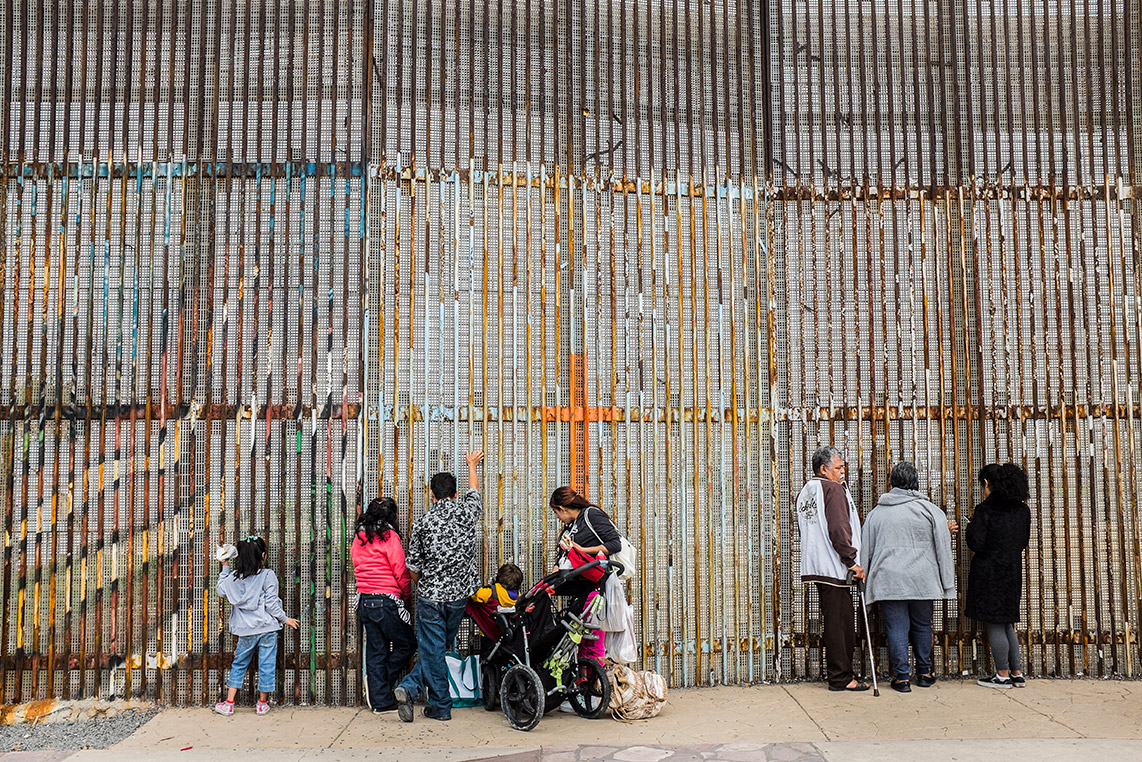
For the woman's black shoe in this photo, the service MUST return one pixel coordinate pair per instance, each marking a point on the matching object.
(926, 681)
(901, 686)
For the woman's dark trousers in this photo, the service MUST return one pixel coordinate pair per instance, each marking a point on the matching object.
(389, 644)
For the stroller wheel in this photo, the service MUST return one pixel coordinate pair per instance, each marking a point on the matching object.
(590, 689)
(521, 697)
(490, 677)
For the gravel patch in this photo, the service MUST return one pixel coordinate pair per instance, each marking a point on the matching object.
(97, 733)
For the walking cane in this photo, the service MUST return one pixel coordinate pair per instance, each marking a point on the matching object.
(867, 634)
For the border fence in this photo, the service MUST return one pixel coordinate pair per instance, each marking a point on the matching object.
(261, 262)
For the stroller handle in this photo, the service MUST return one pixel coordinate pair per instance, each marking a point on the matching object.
(565, 574)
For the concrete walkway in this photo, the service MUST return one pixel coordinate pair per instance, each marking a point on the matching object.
(1049, 720)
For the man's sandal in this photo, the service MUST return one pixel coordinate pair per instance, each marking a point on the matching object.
(854, 688)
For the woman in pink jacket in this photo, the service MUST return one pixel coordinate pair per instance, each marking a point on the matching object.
(384, 585)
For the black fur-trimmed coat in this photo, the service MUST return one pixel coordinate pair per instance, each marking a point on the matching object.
(998, 533)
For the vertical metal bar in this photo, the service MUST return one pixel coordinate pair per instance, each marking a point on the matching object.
(1020, 375)
(529, 427)
(1123, 560)
(441, 217)
(484, 406)
(659, 434)
(695, 458)
(471, 295)
(382, 268)
(679, 413)
(8, 443)
(342, 545)
(1074, 399)
(1131, 367)
(668, 414)
(1061, 410)
(455, 317)
(710, 583)
(502, 408)
(57, 371)
(426, 351)
(723, 467)
(516, 407)
(397, 410)
(543, 309)
(21, 393)
(1047, 500)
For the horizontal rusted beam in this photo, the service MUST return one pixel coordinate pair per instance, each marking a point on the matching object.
(211, 412)
(691, 187)
(551, 414)
(220, 661)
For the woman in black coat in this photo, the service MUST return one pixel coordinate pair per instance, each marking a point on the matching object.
(998, 533)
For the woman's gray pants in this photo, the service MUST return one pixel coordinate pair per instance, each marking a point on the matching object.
(1004, 646)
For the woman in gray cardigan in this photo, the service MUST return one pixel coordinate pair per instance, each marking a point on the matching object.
(907, 547)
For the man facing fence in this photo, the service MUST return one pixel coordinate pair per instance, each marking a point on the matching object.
(830, 549)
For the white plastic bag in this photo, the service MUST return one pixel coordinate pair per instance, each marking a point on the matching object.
(621, 645)
(615, 613)
(617, 620)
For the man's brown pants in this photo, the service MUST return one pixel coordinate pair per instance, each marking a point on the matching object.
(839, 632)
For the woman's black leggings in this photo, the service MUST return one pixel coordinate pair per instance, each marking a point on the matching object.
(1004, 646)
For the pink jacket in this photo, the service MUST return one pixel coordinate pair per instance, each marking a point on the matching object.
(379, 566)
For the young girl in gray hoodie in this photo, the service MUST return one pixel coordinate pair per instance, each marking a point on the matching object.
(256, 615)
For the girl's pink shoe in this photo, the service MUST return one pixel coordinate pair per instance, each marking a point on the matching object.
(224, 708)
(262, 708)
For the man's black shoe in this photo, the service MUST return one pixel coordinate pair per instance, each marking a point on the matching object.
(925, 681)
(434, 716)
(901, 686)
(383, 709)
(404, 703)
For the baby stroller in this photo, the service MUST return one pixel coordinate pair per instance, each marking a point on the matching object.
(534, 666)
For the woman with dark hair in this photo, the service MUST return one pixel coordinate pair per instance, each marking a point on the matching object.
(587, 532)
(998, 533)
(586, 527)
(384, 584)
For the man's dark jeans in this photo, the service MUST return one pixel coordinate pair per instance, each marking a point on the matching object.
(436, 627)
(389, 643)
(905, 621)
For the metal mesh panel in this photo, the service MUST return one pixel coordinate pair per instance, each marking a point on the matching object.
(258, 268)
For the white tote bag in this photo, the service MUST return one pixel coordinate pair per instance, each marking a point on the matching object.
(627, 555)
(463, 679)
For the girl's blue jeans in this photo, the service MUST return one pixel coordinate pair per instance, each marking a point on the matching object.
(266, 646)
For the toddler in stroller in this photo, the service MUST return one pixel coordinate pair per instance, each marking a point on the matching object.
(534, 665)
(486, 602)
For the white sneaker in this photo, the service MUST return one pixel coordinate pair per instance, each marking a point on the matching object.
(566, 708)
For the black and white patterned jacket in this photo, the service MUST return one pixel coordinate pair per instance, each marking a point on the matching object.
(442, 548)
